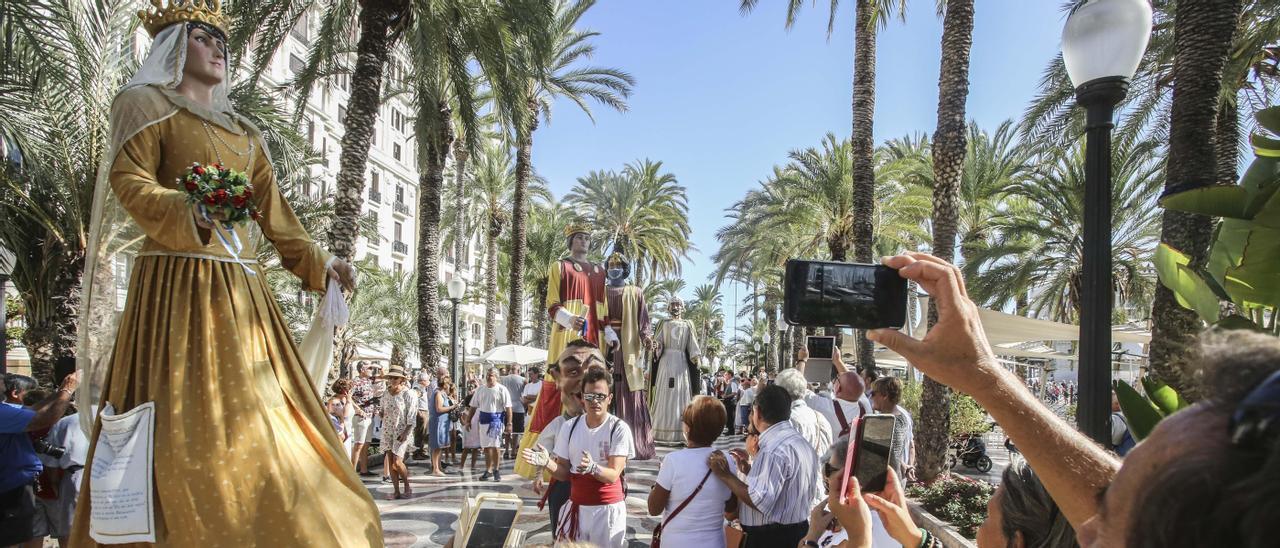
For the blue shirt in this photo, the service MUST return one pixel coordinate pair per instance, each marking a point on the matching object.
(18, 461)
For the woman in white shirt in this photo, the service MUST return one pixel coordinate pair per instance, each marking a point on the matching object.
(684, 474)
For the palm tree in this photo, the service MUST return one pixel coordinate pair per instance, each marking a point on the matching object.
(383, 312)
(643, 212)
(1039, 247)
(54, 129)
(948, 163)
(1202, 39)
(550, 60)
(445, 41)
(381, 24)
(489, 192)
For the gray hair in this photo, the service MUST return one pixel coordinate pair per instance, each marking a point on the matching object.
(1027, 508)
(793, 381)
(494, 370)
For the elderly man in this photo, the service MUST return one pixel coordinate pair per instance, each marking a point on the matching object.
(808, 422)
(1204, 476)
(423, 387)
(850, 400)
(493, 403)
(781, 482)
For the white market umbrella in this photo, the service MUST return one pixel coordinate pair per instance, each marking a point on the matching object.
(514, 354)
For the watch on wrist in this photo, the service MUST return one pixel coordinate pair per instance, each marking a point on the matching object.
(813, 543)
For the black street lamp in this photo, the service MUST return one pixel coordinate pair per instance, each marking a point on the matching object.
(456, 288)
(4, 321)
(1102, 43)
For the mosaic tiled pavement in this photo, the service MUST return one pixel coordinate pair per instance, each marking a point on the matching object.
(427, 518)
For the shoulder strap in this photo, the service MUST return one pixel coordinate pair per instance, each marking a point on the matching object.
(688, 499)
(844, 422)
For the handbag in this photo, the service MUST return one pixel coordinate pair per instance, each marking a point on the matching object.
(657, 531)
(734, 536)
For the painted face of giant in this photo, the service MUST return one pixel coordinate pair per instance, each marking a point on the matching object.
(579, 242)
(206, 56)
(676, 308)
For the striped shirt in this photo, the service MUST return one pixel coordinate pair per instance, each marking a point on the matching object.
(782, 482)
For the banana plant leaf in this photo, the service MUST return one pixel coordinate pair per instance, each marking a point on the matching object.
(1166, 399)
(1215, 201)
(1236, 321)
(1190, 289)
(1139, 412)
(1269, 118)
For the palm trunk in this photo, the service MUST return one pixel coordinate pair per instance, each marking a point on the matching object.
(372, 52)
(519, 224)
(864, 177)
(1202, 38)
(540, 323)
(1227, 129)
(461, 235)
(434, 150)
(491, 284)
(948, 167)
(772, 317)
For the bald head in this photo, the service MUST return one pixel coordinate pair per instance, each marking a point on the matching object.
(849, 386)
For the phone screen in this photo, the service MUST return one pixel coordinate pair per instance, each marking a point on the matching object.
(871, 467)
(828, 294)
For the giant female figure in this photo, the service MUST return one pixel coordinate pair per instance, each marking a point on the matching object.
(243, 452)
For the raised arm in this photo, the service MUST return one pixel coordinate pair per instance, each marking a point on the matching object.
(298, 253)
(955, 352)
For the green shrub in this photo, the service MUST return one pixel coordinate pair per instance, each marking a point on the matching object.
(958, 500)
(967, 417)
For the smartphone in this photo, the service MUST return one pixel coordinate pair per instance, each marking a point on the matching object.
(830, 294)
(868, 454)
(820, 347)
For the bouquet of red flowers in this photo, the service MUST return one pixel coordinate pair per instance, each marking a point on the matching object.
(220, 190)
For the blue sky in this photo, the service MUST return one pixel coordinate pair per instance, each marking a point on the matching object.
(721, 98)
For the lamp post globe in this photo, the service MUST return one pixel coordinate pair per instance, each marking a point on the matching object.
(1102, 44)
(456, 289)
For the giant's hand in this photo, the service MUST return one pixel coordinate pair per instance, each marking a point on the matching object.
(955, 351)
(343, 272)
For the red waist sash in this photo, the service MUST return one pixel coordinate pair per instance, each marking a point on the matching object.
(588, 491)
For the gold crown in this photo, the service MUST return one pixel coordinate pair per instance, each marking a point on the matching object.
(208, 12)
(615, 259)
(575, 228)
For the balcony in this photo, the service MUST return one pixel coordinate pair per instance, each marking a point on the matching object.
(375, 196)
(401, 208)
(400, 247)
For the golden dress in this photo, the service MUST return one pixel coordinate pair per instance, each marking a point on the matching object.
(244, 452)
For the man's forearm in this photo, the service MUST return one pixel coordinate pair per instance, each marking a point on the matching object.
(738, 488)
(50, 410)
(559, 469)
(1072, 467)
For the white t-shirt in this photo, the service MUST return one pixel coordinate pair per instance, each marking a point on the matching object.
(747, 396)
(491, 400)
(532, 389)
(827, 408)
(548, 437)
(701, 523)
(601, 442)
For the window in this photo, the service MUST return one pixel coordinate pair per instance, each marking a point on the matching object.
(396, 267)
(342, 115)
(399, 231)
(344, 81)
(475, 331)
(311, 132)
(296, 64)
(300, 28)
(400, 193)
(395, 151)
(373, 136)
(398, 120)
(306, 187)
(373, 180)
(121, 275)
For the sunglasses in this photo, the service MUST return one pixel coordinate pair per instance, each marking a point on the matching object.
(594, 398)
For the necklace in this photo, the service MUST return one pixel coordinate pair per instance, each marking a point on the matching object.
(213, 136)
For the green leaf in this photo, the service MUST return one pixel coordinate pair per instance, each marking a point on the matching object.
(1190, 289)
(1141, 415)
(1214, 201)
(1269, 118)
(1164, 397)
(1263, 144)
(1236, 321)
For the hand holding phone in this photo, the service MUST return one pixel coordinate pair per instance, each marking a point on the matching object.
(867, 458)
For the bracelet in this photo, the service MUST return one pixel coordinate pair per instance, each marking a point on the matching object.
(69, 392)
(813, 543)
(925, 539)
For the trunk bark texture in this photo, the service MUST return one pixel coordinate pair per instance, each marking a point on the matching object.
(540, 325)
(519, 228)
(1202, 38)
(434, 150)
(1228, 145)
(372, 52)
(948, 168)
(460, 157)
(864, 177)
(52, 321)
(491, 284)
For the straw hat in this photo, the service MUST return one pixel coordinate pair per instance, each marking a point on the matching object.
(395, 371)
